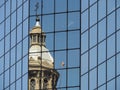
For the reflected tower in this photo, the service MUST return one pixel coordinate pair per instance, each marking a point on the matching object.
(42, 75)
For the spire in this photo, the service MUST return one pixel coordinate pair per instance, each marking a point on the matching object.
(37, 17)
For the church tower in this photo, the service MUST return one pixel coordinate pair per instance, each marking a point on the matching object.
(42, 75)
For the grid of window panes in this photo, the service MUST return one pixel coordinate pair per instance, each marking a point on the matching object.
(13, 44)
(100, 40)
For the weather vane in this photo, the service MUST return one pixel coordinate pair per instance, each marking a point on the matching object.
(37, 7)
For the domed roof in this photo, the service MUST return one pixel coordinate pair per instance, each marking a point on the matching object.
(37, 51)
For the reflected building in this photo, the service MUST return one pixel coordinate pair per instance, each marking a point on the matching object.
(42, 75)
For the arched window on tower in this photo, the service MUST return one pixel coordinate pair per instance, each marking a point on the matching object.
(32, 84)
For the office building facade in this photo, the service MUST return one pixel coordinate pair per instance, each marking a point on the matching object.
(83, 37)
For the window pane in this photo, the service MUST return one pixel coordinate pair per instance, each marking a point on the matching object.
(93, 79)
(61, 5)
(93, 14)
(7, 78)
(60, 18)
(73, 39)
(102, 8)
(111, 68)
(111, 5)
(118, 64)
(84, 63)
(1, 14)
(1, 64)
(60, 40)
(118, 83)
(18, 70)
(111, 85)
(73, 73)
(12, 74)
(102, 30)
(101, 52)
(118, 18)
(84, 82)
(84, 20)
(1, 31)
(118, 41)
(75, 3)
(1, 82)
(93, 57)
(111, 46)
(73, 58)
(111, 24)
(73, 20)
(101, 74)
(84, 42)
(93, 36)
(84, 4)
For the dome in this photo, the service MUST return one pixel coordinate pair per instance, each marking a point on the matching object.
(36, 29)
(37, 51)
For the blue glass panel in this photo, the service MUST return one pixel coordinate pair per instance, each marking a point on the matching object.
(111, 24)
(93, 79)
(60, 56)
(14, 5)
(73, 20)
(12, 74)
(111, 85)
(18, 84)
(118, 18)
(19, 2)
(62, 78)
(48, 23)
(2, 14)
(18, 69)
(74, 39)
(101, 9)
(25, 10)
(1, 31)
(19, 33)
(13, 21)
(7, 42)
(84, 82)
(84, 63)
(7, 60)
(7, 25)
(60, 5)
(118, 3)
(92, 1)
(1, 2)
(1, 47)
(19, 51)
(93, 57)
(13, 38)
(1, 82)
(25, 46)
(102, 30)
(111, 5)
(13, 55)
(93, 36)
(73, 5)
(25, 65)
(101, 74)
(1, 64)
(25, 82)
(19, 15)
(12, 87)
(84, 20)
(118, 64)
(60, 18)
(102, 87)
(25, 28)
(60, 40)
(73, 58)
(101, 52)
(118, 41)
(48, 6)
(73, 73)
(84, 4)
(111, 46)
(118, 83)
(111, 68)
(93, 14)
(84, 42)
(8, 8)
(49, 41)
(7, 78)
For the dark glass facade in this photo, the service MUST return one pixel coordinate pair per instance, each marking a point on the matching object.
(83, 37)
